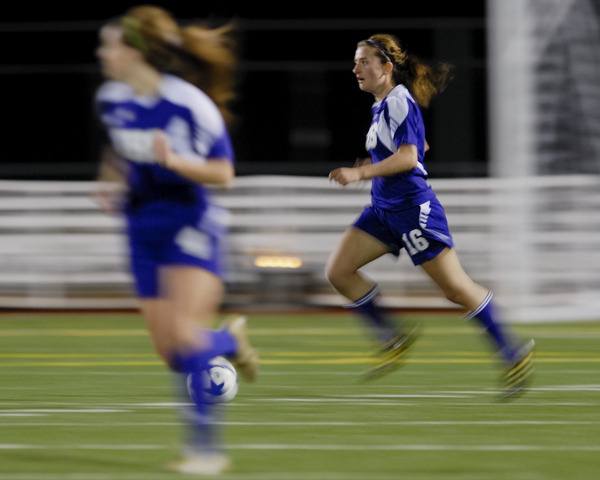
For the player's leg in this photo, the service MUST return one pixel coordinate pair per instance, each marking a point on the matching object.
(157, 311)
(426, 237)
(156, 315)
(193, 296)
(360, 245)
(172, 304)
(356, 249)
(155, 308)
(446, 271)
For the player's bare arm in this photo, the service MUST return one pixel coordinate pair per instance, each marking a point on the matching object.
(403, 160)
(216, 172)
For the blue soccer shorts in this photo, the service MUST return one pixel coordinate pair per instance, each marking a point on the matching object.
(422, 230)
(156, 242)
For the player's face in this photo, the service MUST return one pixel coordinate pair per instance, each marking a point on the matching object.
(369, 70)
(115, 57)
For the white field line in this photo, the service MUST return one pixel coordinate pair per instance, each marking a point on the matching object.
(111, 372)
(278, 373)
(567, 388)
(359, 399)
(14, 367)
(400, 423)
(349, 399)
(324, 447)
(64, 410)
(14, 412)
(526, 403)
(11, 413)
(328, 475)
(239, 476)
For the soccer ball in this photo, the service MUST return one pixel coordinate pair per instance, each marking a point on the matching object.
(218, 382)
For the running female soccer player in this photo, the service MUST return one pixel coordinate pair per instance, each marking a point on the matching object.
(163, 106)
(405, 212)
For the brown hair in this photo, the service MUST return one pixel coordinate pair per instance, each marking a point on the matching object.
(423, 81)
(200, 55)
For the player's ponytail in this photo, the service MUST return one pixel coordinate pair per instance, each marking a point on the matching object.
(215, 61)
(424, 81)
(200, 55)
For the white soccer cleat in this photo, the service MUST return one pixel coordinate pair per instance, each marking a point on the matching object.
(201, 464)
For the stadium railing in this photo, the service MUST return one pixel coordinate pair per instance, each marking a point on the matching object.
(533, 240)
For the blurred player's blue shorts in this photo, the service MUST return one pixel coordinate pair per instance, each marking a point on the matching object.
(163, 235)
(422, 230)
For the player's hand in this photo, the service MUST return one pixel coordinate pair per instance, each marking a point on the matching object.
(162, 150)
(345, 175)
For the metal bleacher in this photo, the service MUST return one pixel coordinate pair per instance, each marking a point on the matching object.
(533, 240)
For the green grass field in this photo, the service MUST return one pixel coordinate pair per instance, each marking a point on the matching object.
(84, 397)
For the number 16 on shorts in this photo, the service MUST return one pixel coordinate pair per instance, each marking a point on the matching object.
(414, 242)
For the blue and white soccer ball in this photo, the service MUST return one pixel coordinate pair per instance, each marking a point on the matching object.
(219, 381)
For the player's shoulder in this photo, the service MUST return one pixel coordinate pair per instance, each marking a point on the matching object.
(400, 92)
(180, 92)
(113, 91)
(399, 95)
(398, 102)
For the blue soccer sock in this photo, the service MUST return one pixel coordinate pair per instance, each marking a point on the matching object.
(496, 331)
(202, 432)
(220, 342)
(383, 328)
(200, 419)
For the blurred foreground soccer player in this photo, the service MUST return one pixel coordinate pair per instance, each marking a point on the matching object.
(163, 107)
(405, 212)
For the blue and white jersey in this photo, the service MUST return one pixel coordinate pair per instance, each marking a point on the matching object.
(397, 121)
(189, 118)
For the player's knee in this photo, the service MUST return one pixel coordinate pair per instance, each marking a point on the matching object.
(330, 274)
(186, 335)
(337, 275)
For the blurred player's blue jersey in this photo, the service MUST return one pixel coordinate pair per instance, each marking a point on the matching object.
(397, 121)
(170, 219)
(191, 121)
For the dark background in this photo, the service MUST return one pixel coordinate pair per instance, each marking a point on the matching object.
(299, 109)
